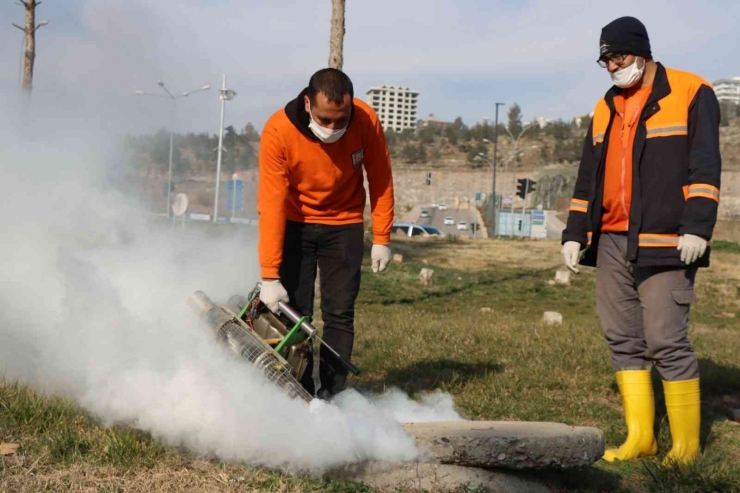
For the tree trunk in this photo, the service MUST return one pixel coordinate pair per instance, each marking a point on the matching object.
(30, 54)
(336, 42)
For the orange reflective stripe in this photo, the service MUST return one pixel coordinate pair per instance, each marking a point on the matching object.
(703, 190)
(589, 236)
(578, 205)
(658, 240)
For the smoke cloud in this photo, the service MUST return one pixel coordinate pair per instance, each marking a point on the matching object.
(92, 306)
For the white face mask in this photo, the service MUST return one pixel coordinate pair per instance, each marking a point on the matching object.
(629, 76)
(325, 135)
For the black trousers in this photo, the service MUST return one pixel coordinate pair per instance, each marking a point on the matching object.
(337, 251)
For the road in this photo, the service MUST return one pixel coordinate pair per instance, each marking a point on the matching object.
(555, 227)
(436, 219)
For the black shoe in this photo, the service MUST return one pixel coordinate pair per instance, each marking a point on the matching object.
(333, 380)
(324, 394)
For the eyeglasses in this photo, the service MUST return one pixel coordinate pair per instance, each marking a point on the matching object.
(615, 58)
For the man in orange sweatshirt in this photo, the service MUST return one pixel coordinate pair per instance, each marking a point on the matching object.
(311, 200)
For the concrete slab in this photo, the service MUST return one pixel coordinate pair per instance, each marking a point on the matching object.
(509, 444)
(437, 478)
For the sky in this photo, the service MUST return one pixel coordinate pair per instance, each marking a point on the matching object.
(461, 55)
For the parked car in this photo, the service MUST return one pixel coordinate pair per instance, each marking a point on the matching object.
(449, 221)
(462, 226)
(412, 229)
(442, 207)
(431, 230)
(424, 213)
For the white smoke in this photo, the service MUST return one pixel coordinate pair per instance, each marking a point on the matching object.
(92, 306)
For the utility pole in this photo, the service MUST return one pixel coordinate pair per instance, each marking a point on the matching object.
(336, 40)
(494, 205)
(224, 95)
(30, 41)
(524, 207)
(512, 203)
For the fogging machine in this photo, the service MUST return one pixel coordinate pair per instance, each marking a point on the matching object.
(278, 345)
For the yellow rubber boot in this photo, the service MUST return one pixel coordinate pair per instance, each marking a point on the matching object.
(639, 413)
(682, 402)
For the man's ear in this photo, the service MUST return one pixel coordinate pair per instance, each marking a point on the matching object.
(307, 103)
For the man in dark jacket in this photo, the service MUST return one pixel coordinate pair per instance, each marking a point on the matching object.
(643, 212)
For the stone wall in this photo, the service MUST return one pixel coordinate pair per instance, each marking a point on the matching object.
(458, 187)
(449, 186)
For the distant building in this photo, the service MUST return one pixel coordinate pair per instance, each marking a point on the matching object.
(541, 122)
(396, 106)
(433, 121)
(728, 90)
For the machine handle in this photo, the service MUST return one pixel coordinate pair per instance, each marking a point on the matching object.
(312, 332)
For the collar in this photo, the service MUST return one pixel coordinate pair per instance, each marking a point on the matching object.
(661, 89)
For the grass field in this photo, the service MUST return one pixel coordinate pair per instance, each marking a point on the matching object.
(477, 333)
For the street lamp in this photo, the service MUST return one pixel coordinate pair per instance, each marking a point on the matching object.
(173, 98)
(41, 23)
(224, 95)
(494, 205)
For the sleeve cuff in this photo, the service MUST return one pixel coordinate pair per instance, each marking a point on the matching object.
(578, 239)
(270, 272)
(701, 232)
(383, 239)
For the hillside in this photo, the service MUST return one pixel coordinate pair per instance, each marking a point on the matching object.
(437, 145)
(558, 143)
(729, 140)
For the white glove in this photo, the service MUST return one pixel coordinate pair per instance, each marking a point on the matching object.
(272, 293)
(692, 248)
(571, 251)
(381, 256)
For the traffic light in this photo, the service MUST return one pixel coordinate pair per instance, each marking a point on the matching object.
(429, 177)
(521, 187)
(525, 186)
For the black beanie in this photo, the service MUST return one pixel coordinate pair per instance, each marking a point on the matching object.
(625, 35)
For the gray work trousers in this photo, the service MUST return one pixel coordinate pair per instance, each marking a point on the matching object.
(645, 312)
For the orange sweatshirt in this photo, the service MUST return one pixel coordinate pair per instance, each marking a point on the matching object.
(303, 180)
(618, 172)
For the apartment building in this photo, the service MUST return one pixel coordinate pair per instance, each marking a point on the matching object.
(728, 90)
(396, 106)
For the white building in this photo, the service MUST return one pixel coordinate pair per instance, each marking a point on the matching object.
(728, 90)
(396, 106)
(433, 121)
(541, 121)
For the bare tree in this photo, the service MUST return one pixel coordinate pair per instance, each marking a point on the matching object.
(336, 41)
(30, 41)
